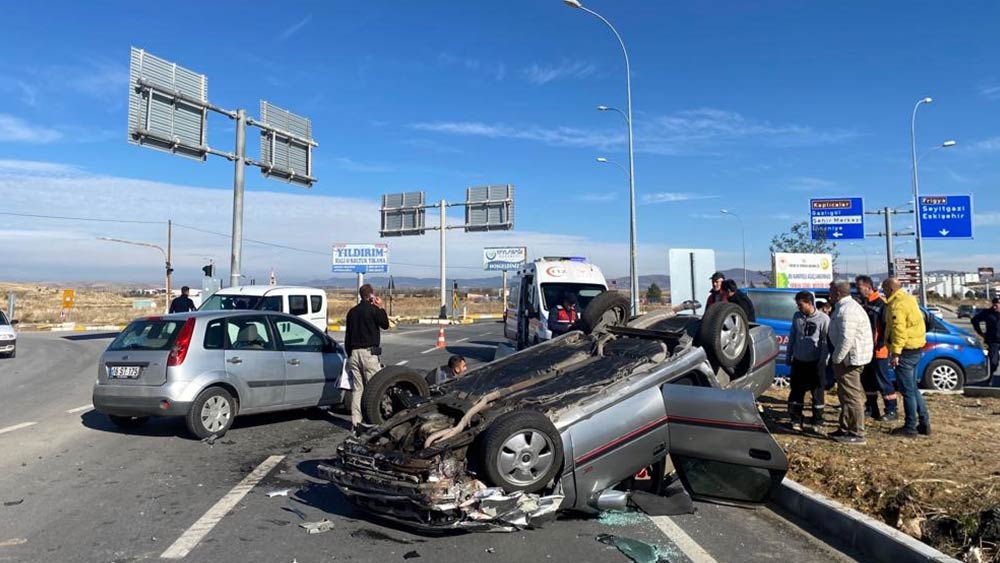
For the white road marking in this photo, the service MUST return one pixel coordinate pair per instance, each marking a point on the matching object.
(463, 339)
(17, 427)
(204, 525)
(429, 350)
(684, 542)
(79, 409)
(13, 542)
(402, 363)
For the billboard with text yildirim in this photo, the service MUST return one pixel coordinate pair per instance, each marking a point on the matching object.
(802, 270)
(504, 257)
(360, 258)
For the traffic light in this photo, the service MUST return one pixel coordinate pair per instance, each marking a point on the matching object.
(209, 271)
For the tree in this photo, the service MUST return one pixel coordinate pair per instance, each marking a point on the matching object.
(799, 240)
(654, 293)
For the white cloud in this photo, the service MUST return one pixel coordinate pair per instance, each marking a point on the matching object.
(988, 219)
(991, 144)
(496, 71)
(990, 92)
(566, 69)
(671, 197)
(351, 165)
(291, 30)
(69, 250)
(16, 130)
(809, 184)
(696, 131)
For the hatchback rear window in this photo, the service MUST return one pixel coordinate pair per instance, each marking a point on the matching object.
(147, 335)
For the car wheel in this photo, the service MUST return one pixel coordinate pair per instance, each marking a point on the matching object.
(127, 422)
(781, 382)
(212, 413)
(521, 451)
(607, 309)
(385, 394)
(943, 375)
(724, 333)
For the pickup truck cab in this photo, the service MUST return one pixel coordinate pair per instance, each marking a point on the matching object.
(539, 287)
(307, 303)
(952, 358)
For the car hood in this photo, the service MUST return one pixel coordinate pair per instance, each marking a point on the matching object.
(7, 329)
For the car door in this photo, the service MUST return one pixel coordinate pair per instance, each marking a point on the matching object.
(252, 357)
(310, 374)
(720, 446)
(524, 312)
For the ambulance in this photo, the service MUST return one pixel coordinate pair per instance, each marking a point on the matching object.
(539, 287)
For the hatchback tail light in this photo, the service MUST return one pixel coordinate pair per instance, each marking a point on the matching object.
(180, 348)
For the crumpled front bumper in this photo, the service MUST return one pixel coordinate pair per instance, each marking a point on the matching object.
(429, 500)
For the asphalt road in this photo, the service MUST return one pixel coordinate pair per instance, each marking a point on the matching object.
(75, 488)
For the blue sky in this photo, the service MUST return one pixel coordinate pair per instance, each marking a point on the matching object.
(751, 106)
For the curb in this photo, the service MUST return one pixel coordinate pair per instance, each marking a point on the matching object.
(336, 328)
(876, 540)
(981, 391)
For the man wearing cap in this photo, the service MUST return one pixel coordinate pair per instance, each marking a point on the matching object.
(716, 295)
(991, 317)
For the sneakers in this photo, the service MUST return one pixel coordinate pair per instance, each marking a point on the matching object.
(851, 439)
(889, 416)
(905, 432)
(924, 429)
(797, 426)
(838, 434)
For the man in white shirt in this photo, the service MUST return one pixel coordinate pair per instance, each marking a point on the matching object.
(852, 347)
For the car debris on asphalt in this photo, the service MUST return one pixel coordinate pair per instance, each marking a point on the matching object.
(636, 550)
(280, 493)
(324, 525)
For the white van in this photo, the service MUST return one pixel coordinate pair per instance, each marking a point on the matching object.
(307, 303)
(539, 287)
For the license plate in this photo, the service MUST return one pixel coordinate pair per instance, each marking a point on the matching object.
(123, 372)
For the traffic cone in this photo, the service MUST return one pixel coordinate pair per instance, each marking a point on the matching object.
(441, 343)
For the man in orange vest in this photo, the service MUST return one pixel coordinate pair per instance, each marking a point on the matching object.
(875, 377)
(564, 316)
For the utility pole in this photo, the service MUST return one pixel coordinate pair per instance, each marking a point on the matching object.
(239, 163)
(170, 268)
(887, 213)
(444, 253)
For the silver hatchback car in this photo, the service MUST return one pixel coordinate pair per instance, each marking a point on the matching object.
(210, 366)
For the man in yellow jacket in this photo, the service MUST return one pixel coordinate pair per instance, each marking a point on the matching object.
(906, 337)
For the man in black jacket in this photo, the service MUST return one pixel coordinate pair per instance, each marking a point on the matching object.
(363, 342)
(182, 303)
(732, 294)
(991, 317)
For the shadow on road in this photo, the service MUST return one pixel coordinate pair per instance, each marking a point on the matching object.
(95, 336)
(174, 427)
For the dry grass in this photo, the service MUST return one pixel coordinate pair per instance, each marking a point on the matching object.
(933, 488)
(37, 304)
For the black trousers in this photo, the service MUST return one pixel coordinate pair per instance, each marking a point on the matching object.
(805, 379)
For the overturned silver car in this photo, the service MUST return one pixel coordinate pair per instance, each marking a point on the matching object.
(564, 424)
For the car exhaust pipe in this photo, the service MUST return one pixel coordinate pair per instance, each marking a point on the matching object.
(610, 500)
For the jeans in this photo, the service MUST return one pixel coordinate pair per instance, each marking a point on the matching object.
(914, 407)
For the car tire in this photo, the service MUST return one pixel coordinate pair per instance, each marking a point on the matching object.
(943, 375)
(379, 401)
(128, 422)
(521, 451)
(607, 309)
(212, 413)
(724, 333)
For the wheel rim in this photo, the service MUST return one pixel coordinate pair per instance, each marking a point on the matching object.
(525, 457)
(215, 413)
(780, 382)
(612, 317)
(945, 377)
(734, 336)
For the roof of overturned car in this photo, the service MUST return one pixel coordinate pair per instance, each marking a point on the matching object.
(552, 426)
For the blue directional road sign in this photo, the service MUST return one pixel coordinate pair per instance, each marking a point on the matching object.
(837, 218)
(946, 216)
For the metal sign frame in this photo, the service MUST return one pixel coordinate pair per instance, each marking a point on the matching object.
(837, 218)
(285, 145)
(489, 208)
(403, 214)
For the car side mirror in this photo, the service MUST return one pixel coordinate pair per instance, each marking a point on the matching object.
(14, 322)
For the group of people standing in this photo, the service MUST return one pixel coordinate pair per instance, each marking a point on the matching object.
(859, 341)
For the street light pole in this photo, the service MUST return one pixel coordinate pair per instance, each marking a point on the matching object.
(743, 241)
(165, 253)
(633, 274)
(916, 200)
